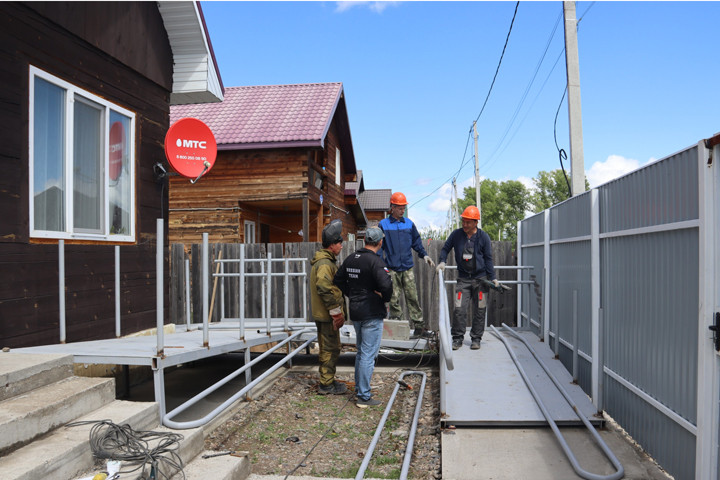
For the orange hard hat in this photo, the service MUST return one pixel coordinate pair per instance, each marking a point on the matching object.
(398, 199)
(471, 213)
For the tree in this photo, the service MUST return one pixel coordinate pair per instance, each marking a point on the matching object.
(551, 188)
(503, 205)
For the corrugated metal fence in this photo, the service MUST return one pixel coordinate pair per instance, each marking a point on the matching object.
(620, 267)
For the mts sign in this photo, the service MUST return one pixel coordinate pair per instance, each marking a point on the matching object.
(190, 147)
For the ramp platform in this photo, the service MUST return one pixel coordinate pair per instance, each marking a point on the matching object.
(486, 388)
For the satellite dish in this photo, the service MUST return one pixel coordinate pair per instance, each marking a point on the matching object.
(190, 148)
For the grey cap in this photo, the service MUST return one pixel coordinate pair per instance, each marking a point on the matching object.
(332, 233)
(374, 235)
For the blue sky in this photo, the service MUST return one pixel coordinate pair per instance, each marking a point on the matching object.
(416, 75)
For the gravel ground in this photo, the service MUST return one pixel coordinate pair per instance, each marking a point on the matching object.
(281, 426)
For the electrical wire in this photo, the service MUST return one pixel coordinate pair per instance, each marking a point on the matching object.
(120, 442)
(561, 152)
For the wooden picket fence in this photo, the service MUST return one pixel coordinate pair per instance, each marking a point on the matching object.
(502, 307)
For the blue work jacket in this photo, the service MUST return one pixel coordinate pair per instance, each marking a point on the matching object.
(482, 253)
(401, 237)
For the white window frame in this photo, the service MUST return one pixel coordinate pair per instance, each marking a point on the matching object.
(337, 166)
(246, 224)
(69, 233)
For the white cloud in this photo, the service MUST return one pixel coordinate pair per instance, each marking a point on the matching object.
(614, 167)
(527, 181)
(423, 181)
(376, 7)
(439, 205)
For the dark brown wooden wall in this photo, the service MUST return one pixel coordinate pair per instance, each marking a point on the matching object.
(29, 271)
(336, 193)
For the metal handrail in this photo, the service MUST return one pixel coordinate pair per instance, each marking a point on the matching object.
(411, 436)
(204, 420)
(445, 337)
(573, 461)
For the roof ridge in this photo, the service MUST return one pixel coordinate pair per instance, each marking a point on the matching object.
(286, 85)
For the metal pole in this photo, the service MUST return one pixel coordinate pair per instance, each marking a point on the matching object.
(477, 176)
(596, 332)
(599, 404)
(205, 258)
(520, 277)
(577, 162)
(575, 336)
(187, 292)
(268, 281)
(242, 292)
(61, 287)
(117, 291)
(304, 284)
(248, 374)
(159, 304)
(287, 293)
(222, 291)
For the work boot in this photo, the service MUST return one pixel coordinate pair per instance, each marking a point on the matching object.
(475, 344)
(421, 332)
(457, 344)
(370, 402)
(335, 388)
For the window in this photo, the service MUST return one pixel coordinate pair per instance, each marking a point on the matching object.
(82, 163)
(249, 231)
(337, 166)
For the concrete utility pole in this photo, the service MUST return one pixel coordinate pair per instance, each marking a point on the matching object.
(456, 214)
(577, 160)
(477, 175)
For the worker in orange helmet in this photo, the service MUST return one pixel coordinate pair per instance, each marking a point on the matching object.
(473, 255)
(401, 238)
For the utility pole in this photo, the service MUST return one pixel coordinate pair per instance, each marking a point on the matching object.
(577, 161)
(456, 216)
(477, 175)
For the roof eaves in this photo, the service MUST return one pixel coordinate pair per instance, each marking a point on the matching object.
(331, 116)
(212, 50)
(269, 145)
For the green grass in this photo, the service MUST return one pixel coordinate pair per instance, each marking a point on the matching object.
(392, 474)
(385, 460)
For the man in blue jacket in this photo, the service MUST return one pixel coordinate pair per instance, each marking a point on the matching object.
(473, 255)
(401, 238)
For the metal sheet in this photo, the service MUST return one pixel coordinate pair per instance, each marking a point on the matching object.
(498, 396)
(571, 218)
(663, 192)
(533, 256)
(533, 229)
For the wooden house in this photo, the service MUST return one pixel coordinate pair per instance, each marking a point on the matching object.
(85, 95)
(285, 154)
(376, 204)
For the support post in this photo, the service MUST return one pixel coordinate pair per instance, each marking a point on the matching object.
(159, 281)
(268, 298)
(477, 175)
(61, 288)
(248, 373)
(306, 219)
(596, 333)
(577, 162)
(117, 291)
(187, 292)
(287, 297)
(205, 288)
(518, 255)
(242, 292)
(159, 383)
(548, 289)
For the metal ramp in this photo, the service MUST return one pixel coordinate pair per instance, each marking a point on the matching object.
(486, 389)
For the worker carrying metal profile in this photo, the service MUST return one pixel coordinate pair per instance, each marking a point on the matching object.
(401, 237)
(327, 304)
(473, 255)
(364, 278)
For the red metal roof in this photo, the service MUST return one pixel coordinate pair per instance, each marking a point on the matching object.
(268, 116)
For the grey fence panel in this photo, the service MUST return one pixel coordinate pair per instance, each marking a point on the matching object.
(650, 304)
(571, 218)
(532, 304)
(570, 264)
(663, 192)
(533, 229)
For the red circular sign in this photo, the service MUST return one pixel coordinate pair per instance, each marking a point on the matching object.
(190, 147)
(117, 149)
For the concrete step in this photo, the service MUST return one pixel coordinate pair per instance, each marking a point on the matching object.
(189, 448)
(216, 468)
(23, 372)
(64, 452)
(27, 416)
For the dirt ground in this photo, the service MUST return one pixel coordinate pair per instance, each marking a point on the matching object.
(284, 424)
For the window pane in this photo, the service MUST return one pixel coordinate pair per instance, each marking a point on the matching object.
(48, 156)
(87, 166)
(120, 173)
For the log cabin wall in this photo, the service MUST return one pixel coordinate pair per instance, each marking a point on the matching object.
(376, 215)
(335, 194)
(138, 79)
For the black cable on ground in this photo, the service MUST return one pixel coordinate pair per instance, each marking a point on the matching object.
(337, 416)
(110, 441)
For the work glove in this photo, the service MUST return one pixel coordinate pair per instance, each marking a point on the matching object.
(337, 317)
(429, 261)
(496, 283)
(440, 267)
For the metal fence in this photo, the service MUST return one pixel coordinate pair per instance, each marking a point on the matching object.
(625, 279)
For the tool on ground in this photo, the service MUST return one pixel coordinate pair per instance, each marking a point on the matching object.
(500, 287)
(238, 453)
(408, 387)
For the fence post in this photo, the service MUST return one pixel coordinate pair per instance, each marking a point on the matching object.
(268, 298)
(61, 287)
(205, 294)
(242, 293)
(595, 329)
(520, 277)
(548, 274)
(117, 291)
(159, 304)
(187, 292)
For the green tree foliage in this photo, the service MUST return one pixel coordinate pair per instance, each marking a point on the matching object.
(503, 205)
(429, 233)
(551, 188)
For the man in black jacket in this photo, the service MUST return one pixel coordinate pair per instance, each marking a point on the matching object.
(365, 280)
